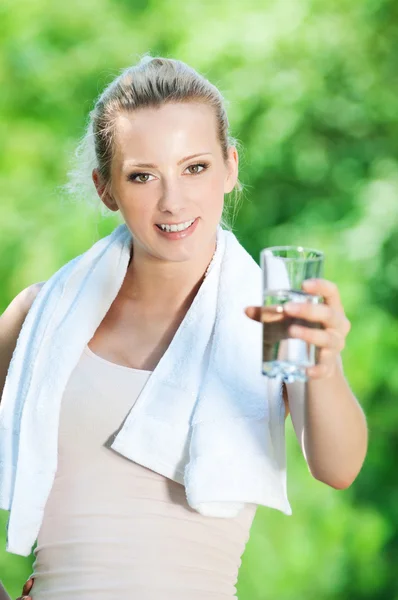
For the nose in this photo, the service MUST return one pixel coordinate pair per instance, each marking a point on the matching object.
(172, 198)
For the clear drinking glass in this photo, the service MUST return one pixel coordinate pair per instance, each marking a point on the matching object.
(284, 269)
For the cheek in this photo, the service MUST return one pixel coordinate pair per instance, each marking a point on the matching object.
(137, 215)
(136, 200)
(211, 193)
(140, 214)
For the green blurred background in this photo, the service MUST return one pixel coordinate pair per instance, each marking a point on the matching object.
(313, 98)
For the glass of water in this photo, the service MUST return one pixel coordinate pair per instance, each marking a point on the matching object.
(284, 269)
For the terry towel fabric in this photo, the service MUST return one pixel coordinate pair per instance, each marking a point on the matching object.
(206, 417)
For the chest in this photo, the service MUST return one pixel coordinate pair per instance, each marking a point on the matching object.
(134, 337)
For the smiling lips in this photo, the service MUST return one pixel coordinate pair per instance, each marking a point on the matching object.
(177, 231)
(176, 227)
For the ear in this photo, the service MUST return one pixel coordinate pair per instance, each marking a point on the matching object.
(232, 170)
(103, 191)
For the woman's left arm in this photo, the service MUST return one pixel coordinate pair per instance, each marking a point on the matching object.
(328, 420)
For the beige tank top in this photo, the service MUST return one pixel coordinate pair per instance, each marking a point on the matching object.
(113, 529)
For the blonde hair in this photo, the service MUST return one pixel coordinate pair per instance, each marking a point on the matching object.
(153, 82)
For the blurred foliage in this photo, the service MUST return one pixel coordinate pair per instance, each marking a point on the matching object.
(313, 98)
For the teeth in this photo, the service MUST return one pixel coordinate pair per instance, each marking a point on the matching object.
(179, 227)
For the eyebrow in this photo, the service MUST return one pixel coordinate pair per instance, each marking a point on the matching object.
(153, 166)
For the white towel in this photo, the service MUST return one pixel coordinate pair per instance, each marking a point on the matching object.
(206, 417)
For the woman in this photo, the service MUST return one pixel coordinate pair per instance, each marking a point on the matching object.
(112, 527)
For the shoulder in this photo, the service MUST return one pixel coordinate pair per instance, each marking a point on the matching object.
(21, 304)
(11, 322)
(29, 295)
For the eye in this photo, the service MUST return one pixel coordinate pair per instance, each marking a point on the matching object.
(139, 177)
(194, 169)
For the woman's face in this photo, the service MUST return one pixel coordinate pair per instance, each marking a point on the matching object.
(168, 171)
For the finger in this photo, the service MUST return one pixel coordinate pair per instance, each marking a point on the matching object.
(327, 289)
(319, 337)
(253, 312)
(267, 314)
(318, 313)
(27, 586)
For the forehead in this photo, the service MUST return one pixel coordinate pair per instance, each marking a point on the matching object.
(152, 134)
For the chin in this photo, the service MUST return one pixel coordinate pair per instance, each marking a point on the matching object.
(179, 255)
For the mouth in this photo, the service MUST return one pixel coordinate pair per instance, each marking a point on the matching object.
(172, 228)
(177, 231)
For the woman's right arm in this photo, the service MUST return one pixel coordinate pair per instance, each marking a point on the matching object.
(11, 322)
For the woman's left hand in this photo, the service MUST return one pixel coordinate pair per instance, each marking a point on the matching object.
(331, 339)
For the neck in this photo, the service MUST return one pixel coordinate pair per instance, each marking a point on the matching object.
(160, 286)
